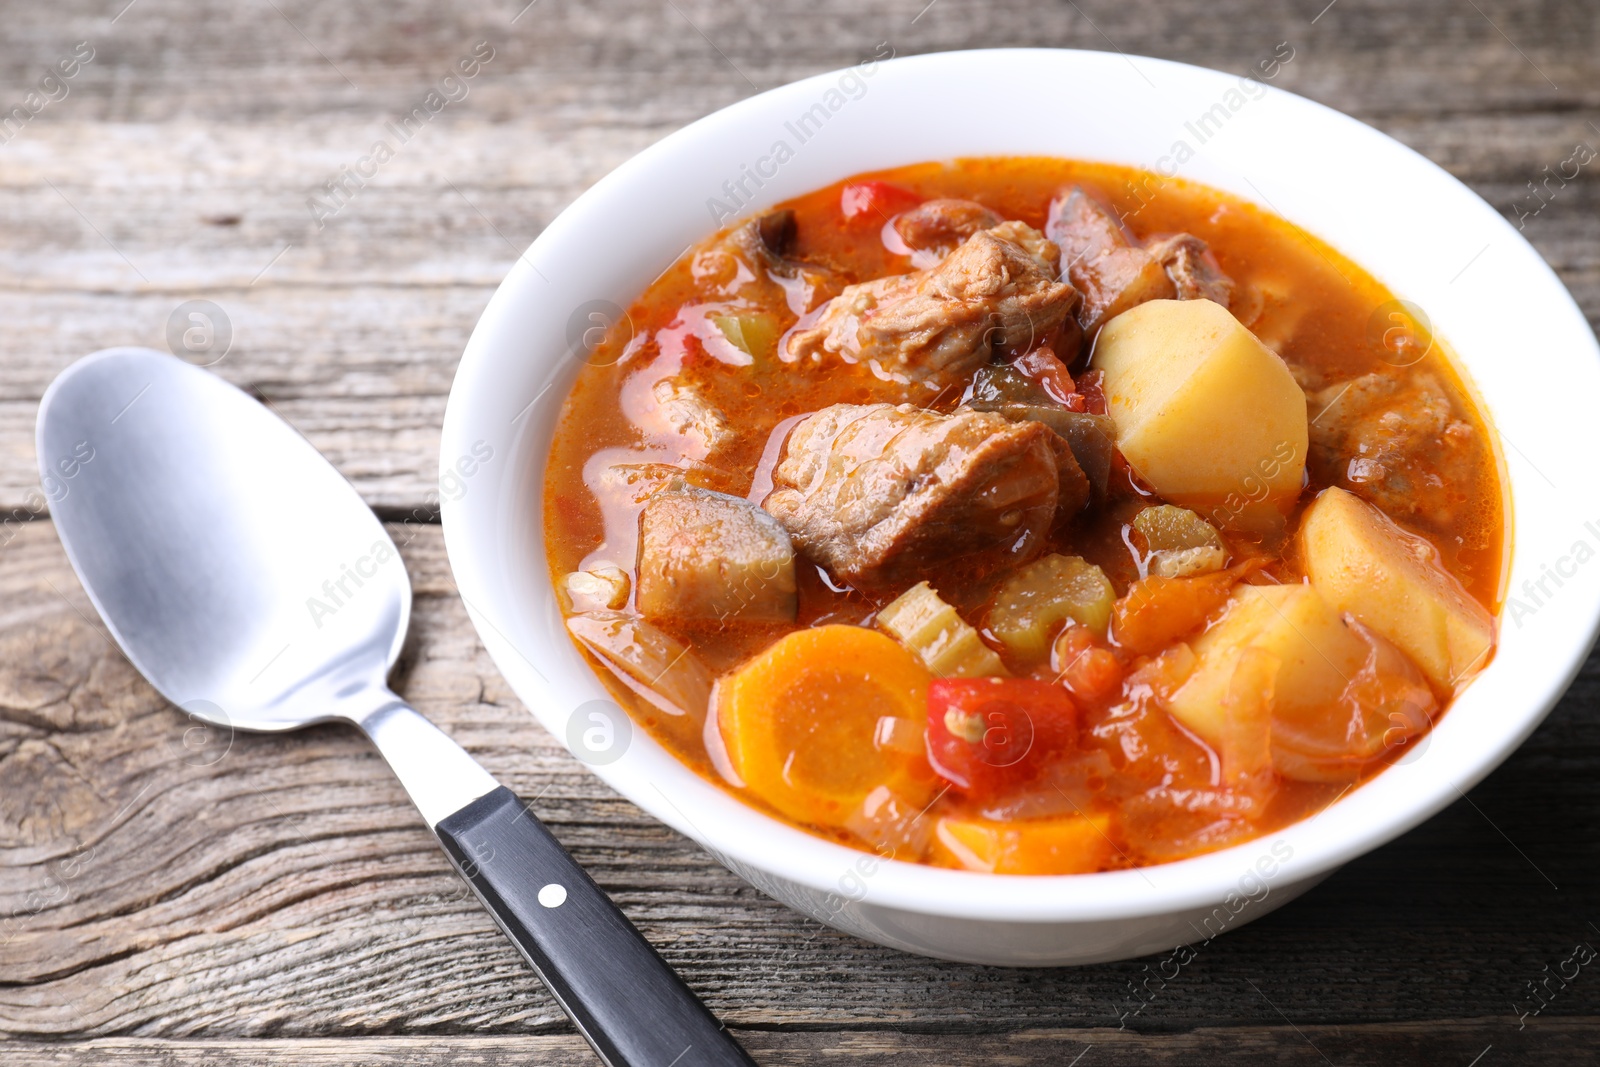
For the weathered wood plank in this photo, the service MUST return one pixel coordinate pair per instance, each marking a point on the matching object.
(283, 887)
(282, 902)
(181, 169)
(668, 61)
(1428, 1044)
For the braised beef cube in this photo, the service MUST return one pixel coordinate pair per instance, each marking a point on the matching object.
(931, 230)
(1398, 441)
(1103, 261)
(1090, 438)
(885, 496)
(1008, 392)
(935, 327)
(707, 557)
(1194, 273)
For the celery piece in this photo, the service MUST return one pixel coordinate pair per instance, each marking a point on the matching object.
(1034, 601)
(754, 333)
(925, 624)
(1179, 542)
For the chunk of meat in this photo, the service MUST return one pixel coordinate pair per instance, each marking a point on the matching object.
(1103, 261)
(755, 262)
(709, 557)
(1397, 441)
(1031, 241)
(1193, 271)
(931, 230)
(1090, 439)
(937, 326)
(1005, 391)
(885, 496)
(634, 483)
(1106, 262)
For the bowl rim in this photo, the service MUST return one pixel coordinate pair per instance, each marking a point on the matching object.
(1358, 821)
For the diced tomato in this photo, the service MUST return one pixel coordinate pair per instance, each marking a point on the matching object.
(879, 201)
(1147, 745)
(1158, 611)
(986, 735)
(1092, 388)
(1042, 367)
(1090, 671)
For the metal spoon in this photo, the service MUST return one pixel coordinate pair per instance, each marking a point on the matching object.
(247, 581)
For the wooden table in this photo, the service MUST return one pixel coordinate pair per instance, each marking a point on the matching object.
(178, 898)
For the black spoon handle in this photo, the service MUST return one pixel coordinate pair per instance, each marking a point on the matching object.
(625, 1000)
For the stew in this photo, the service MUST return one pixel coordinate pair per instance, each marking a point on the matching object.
(1026, 516)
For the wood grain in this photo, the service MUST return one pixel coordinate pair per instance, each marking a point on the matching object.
(163, 882)
(1395, 1045)
(180, 164)
(177, 896)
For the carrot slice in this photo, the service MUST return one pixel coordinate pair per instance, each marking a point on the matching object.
(809, 724)
(1158, 611)
(1075, 844)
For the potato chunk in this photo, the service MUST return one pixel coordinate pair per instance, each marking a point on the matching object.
(1316, 653)
(1391, 580)
(1204, 412)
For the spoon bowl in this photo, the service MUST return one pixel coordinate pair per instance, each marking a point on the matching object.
(241, 574)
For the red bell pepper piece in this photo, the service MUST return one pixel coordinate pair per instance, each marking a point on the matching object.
(988, 735)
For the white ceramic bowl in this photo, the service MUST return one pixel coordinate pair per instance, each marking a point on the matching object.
(1421, 232)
